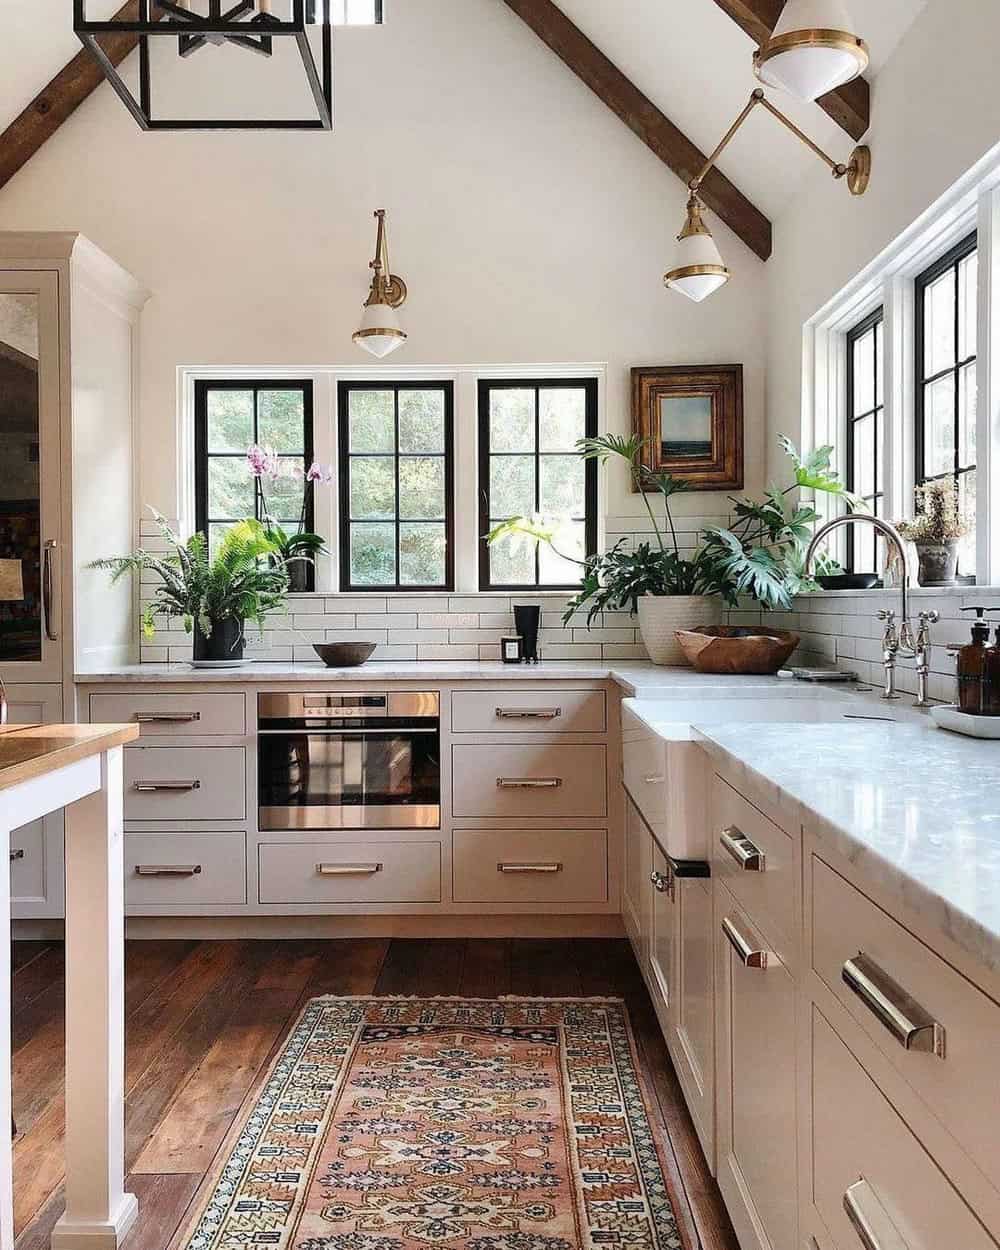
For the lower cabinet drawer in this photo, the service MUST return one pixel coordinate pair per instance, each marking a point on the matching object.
(531, 866)
(349, 872)
(185, 783)
(27, 864)
(537, 779)
(175, 869)
(528, 711)
(864, 1158)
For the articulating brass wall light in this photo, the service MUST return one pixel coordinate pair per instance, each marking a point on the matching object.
(812, 50)
(380, 332)
(698, 267)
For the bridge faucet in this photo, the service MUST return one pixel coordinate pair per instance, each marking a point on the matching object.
(893, 644)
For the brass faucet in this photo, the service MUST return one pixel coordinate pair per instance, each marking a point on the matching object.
(894, 644)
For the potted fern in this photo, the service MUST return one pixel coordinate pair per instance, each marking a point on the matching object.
(213, 595)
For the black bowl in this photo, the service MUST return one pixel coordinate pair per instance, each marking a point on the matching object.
(850, 581)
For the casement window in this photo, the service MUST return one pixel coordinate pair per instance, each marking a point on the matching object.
(529, 465)
(865, 474)
(230, 417)
(396, 485)
(946, 386)
(356, 12)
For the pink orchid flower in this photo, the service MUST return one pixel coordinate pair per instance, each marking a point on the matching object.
(322, 473)
(262, 462)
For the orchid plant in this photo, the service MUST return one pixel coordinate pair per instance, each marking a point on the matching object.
(300, 548)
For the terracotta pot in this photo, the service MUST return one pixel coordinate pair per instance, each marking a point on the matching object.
(938, 563)
(737, 648)
(661, 616)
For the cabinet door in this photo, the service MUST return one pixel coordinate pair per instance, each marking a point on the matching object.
(756, 1084)
(692, 1032)
(636, 902)
(662, 934)
(36, 850)
(30, 478)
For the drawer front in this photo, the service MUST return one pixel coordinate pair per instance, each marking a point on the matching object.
(185, 869)
(350, 872)
(644, 769)
(540, 779)
(531, 866)
(765, 886)
(862, 1150)
(528, 711)
(960, 1086)
(185, 783)
(172, 715)
(27, 864)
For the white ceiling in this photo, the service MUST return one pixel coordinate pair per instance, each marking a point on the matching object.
(686, 55)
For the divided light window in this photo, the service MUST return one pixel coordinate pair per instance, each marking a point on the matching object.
(865, 429)
(528, 464)
(946, 325)
(396, 485)
(356, 12)
(229, 418)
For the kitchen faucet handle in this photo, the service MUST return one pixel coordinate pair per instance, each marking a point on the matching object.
(930, 618)
(887, 614)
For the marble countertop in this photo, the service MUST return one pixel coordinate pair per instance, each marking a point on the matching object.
(29, 751)
(914, 808)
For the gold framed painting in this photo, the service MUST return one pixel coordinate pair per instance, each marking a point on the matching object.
(691, 418)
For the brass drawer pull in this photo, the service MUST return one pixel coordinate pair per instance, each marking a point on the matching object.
(529, 867)
(654, 779)
(749, 957)
(870, 1219)
(166, 718)
(749, 857)
(176, 787)
(528, 713)
(17, 853)
(167, 870)
(662, 884)
(908, 1022)
(348, 870)
(529, 783)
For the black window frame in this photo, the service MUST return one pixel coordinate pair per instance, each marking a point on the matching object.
(951, 260)
(344, 389)
(486, 386)
(202, 455)
(854, 335)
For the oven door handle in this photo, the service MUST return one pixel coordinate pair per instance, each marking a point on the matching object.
(310, 731)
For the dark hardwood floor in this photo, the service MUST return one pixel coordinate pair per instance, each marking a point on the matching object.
(203, 1019)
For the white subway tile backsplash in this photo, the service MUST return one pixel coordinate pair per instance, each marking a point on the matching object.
(446, 651)
(383, 620)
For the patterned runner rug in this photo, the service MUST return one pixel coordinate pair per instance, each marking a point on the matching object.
(463, 1124)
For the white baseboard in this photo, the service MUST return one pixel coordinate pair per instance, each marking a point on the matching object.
(96, 1235)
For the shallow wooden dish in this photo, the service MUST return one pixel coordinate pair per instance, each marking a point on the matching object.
(343, 654)
(747, 649)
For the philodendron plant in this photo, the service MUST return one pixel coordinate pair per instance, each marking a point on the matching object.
(760, 554)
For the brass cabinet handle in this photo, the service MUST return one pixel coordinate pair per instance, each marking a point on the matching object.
(749, 857)
(528, 713)
(556, 867)
(348, 870)
(529, 783)
(47, 552)
(749, 956)
(662, 884)
(148, 787)
(167, 870)
(16, 854)
(654, 779)
(166, 718)
(870, 1219)
(908, 1022)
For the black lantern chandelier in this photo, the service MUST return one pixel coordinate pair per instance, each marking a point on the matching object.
(248, 24)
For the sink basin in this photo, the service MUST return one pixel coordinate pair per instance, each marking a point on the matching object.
(668, 776)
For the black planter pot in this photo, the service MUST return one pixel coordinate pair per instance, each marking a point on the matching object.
(225, 642)
(298, 575)
(526, 618)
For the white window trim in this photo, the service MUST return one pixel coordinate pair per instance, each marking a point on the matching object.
(466, 433)
(972, 204)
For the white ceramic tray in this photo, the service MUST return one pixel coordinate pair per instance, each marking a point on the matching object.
(949, 717)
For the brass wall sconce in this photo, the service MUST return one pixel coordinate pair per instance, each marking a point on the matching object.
(380, 332)
(698, 268)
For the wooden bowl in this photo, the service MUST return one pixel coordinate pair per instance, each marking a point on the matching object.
(748, 649)
(343, 654)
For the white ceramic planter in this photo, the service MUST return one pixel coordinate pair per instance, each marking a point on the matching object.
(660, 616)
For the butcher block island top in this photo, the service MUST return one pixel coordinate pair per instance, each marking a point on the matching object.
(28, 751)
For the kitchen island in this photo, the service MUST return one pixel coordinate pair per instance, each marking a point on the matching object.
(77, 768)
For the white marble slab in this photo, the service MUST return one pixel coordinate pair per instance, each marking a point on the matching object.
(915, 808)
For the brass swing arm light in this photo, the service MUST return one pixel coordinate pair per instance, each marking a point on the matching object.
(698, 267)
(386, 287)
(380, 331)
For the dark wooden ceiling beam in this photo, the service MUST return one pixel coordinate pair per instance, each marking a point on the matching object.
(644, 119)
(849, 106)
(63, 95)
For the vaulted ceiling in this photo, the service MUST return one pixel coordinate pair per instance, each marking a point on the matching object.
(689, 58)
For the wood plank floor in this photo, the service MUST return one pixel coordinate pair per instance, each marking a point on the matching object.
(204, 1018)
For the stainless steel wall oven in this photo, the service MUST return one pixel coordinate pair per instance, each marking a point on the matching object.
(349, 761)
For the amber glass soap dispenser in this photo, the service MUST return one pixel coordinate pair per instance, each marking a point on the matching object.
(991, 679)
(972, 665)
